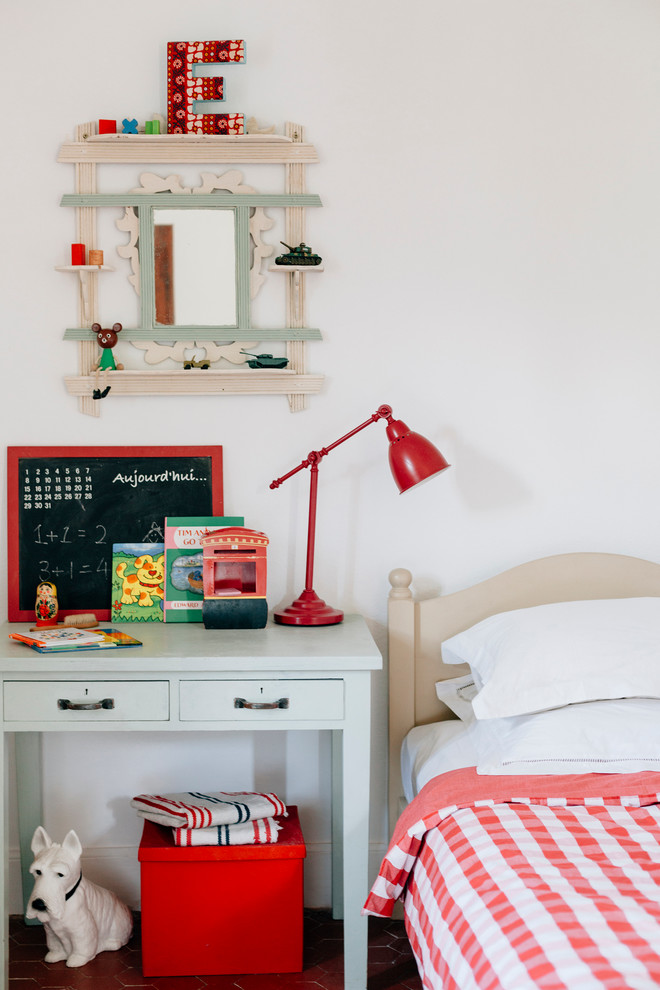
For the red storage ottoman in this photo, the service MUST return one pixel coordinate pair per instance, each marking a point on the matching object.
(222, 909)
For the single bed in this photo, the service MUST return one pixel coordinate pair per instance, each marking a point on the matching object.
(540, 869)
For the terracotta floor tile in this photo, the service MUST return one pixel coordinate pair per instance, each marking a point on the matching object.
(391, 963)
(220, 982)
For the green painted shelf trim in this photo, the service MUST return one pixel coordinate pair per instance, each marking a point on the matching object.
(218, 334)
(192, 200)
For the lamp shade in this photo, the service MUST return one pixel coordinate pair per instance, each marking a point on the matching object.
(413, 458)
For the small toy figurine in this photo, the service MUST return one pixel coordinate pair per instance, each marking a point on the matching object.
(80, 918)
(301, 255)
(106, 340)
(46, 607)
(265, 361)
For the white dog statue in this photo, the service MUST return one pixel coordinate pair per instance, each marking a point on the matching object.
(81, 919)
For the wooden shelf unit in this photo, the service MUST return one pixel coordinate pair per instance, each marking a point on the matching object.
(85, 153)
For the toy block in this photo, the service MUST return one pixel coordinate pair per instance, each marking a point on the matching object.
(152, 127)
(77, 254)
(129, 126)
(107, 126)
(190, 80)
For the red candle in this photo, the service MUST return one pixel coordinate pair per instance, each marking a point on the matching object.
(77, 254)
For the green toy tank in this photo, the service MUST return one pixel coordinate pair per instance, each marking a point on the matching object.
(301, 255)
(265, 361)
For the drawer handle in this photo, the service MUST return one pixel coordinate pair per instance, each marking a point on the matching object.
(84, 706)
(261, 705)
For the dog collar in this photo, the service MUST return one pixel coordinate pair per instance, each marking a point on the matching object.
(74, 888)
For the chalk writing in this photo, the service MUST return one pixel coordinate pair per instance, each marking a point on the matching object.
(136, 479)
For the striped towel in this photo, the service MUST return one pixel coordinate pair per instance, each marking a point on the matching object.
(196, 810)
(257, 832)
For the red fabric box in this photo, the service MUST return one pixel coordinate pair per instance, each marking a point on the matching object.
(222, 909)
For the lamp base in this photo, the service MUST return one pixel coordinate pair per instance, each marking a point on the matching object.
(309, 610)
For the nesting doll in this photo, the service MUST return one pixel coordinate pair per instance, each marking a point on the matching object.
(46, 607)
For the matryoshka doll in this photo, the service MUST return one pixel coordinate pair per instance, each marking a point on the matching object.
(46, 607)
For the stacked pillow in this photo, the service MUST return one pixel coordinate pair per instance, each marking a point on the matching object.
(571, 687)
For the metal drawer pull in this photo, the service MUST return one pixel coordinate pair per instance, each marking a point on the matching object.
(261, 705)
(83, 706)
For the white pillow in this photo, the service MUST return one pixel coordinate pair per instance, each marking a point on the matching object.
(595, 737)
(552, 655)
(457, 694)
(429, 750)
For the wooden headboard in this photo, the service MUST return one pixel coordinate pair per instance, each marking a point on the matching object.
(416, 629)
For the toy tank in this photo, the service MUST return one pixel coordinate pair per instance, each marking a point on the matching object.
(301, 255)
(265, 361)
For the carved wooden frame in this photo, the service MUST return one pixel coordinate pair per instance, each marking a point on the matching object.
(290, 150)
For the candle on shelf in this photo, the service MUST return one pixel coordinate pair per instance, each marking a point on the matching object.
(77, 254)
(95, 257)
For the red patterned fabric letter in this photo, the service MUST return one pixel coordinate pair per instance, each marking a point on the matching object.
(184, 88)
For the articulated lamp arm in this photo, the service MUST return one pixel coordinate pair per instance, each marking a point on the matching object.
(315, 456)
(412, 459)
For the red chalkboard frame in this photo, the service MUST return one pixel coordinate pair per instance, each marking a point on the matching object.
(18, 454)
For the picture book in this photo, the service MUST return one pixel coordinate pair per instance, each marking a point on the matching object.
(67, 638)
(138, 582)
(183, 563)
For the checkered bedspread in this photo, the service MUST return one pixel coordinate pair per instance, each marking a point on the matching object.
(523, 882)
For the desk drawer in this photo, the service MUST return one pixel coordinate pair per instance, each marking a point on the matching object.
(86, 701)
(258, 701)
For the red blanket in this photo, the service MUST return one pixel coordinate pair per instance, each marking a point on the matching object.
(534, 881)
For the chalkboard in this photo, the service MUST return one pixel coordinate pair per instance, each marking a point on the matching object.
(68, 505)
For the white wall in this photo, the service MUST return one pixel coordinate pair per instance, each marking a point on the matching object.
(489, 173)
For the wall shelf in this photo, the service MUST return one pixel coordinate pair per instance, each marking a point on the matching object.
(196, 381)
(220, 334)
(224, 192)
(84, 272)
(84, 268)
(193, 148)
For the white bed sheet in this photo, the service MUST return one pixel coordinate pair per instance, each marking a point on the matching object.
(429, 750)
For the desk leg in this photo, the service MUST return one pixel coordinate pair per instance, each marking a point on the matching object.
(337, 826)
(356, 743)
(28, 784)
(4, 866)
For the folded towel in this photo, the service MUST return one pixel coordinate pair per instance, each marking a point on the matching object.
(196, 810)
(257, 832)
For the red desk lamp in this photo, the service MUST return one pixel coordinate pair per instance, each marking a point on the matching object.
(413, 459)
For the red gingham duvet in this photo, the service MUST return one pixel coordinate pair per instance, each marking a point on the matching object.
(522, 882)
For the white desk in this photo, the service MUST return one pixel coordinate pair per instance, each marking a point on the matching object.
(186, 678)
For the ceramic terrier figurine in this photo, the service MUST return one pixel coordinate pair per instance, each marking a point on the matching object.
(81, 919)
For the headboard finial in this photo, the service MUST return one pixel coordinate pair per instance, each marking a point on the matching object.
(400, 579)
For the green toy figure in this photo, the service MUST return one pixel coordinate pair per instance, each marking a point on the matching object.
(300, 255)
(106, 340)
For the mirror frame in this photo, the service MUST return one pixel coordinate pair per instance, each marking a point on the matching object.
(250, 223)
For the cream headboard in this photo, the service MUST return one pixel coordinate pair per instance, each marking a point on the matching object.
(417, 629)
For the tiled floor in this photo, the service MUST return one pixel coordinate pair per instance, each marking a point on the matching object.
(391, 964)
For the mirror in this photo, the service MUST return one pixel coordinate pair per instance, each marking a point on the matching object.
(207, 276)
(195, 267)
